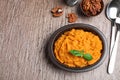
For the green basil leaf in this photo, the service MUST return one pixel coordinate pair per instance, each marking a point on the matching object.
(77, 53)
(87, 56)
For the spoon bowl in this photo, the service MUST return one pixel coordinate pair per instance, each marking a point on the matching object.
(112, 11)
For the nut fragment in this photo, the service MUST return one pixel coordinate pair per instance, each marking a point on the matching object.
(72, 17)
(57, 11)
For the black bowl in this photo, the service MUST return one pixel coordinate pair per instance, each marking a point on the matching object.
(102, 7)
(85, 27)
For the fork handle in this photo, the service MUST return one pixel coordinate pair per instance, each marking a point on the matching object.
(112, 38)
(113, 54)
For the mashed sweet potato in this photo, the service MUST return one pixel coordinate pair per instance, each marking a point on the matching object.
(77, 39)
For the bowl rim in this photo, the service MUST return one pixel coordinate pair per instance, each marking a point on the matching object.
(68, 27)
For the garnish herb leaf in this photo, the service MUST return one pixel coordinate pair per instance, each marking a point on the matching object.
(77, 53)
(87, 56)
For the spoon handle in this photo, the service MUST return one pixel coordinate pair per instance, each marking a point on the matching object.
(113, 54)
(112, 38)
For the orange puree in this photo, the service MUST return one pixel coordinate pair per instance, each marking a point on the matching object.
(77, 39)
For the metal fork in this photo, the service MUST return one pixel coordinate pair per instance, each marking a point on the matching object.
(115, 47)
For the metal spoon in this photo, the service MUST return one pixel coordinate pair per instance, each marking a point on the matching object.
(111, 13)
